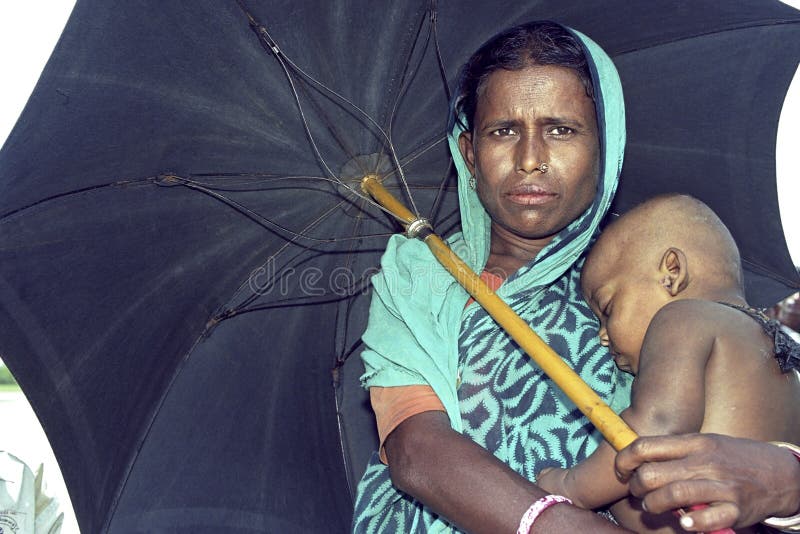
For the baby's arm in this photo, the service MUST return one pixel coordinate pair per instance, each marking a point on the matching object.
(668, 397)
(590, 484)
(669, 391)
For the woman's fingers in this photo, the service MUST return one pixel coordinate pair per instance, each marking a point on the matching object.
(685, 493)
(715, 516)
(655, 449)
(671, 484)
(743, 480)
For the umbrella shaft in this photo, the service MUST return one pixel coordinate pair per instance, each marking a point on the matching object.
(611, 425)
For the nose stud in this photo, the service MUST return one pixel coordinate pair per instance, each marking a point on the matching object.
(543, 168)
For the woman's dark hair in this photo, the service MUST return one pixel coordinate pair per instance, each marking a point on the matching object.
(534, 43)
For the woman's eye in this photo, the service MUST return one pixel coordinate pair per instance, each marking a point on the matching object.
(502, 132)
(561, 131)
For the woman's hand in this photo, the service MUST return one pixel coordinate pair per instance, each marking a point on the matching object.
(744, 481)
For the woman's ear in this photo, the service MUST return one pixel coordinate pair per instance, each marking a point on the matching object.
(467, 151)
(674, 271)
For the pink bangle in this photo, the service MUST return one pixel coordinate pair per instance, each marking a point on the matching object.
(536, 510)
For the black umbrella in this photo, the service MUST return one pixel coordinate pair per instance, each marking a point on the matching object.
(183, 281)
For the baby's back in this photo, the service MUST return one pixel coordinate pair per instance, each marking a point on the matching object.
(747, 395)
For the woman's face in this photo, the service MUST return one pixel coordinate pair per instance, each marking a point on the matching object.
(524, 118)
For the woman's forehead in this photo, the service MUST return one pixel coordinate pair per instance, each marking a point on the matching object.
(534, 90)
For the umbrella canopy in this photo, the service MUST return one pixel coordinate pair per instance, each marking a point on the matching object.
(183, 280)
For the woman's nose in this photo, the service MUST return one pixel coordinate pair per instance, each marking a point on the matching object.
(529, 154)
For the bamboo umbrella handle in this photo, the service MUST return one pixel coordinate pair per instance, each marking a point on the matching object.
(611, 425)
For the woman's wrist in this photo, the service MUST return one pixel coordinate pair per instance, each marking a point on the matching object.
(790, 522)
(535, 510)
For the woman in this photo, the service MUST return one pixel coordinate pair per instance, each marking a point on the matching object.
(465, 418)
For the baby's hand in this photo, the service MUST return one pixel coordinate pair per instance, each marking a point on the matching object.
(552, 480)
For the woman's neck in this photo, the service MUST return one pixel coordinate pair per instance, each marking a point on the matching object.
(509, 252)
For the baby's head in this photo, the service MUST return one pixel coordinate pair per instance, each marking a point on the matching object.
(667, 248)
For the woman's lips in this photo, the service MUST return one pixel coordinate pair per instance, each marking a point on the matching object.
(530, 195)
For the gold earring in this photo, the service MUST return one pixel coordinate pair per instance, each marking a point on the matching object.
(473, 182)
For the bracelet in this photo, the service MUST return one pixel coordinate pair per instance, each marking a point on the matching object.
(536, 509)
(785, 524)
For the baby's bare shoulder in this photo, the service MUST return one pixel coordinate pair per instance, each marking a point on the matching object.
(696, 323)
(705, 314)
(729, 333)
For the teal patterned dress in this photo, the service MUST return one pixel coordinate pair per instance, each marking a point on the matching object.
(421, 331)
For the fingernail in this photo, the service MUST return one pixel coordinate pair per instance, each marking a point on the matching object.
(687, 522)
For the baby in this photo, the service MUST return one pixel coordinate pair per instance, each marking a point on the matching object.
(666, 283)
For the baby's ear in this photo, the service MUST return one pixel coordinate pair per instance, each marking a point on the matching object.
(674, 271)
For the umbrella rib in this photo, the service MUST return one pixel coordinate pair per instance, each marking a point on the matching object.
(432, 16)
(280, 250)
(440, 193)
(334, 131)
(257, 217)
(264, 179)
(280, 56)
(420, 151)
(245, 307)
(313, 223)
(439, 59)
(209, 187)
(257, 292)
(57, 196)
(384, 133)
(348, 264)
(432, 33)
(404, 82)
(269, 43)
(336, 372)
(340, 358)
(362, 285)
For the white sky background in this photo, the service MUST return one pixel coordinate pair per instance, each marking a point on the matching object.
(29, 30)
